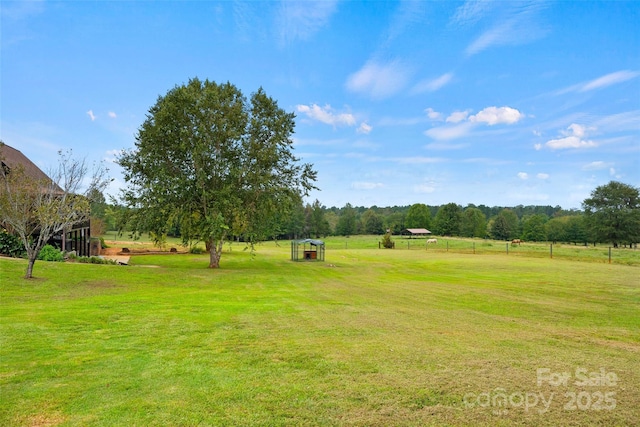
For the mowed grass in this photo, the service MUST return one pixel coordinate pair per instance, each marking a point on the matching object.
(369, 337)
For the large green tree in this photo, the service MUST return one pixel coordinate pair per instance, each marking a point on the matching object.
(372, 222)
(533, 228)
(215, 162)
(474, 223)
(612, 213)
(316, 224)
(448, 220)
(347, 221)
(505, 225)
(418, 216)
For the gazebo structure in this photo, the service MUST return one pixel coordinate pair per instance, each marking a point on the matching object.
(312, 250)
(413, 232)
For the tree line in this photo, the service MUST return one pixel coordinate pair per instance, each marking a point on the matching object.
(595, 223)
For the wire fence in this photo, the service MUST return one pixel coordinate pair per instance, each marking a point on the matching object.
(599, 253)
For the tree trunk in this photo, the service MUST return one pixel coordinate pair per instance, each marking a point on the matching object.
(29, 273)
(215, 252)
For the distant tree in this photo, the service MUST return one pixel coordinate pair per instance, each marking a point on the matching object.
(612, 213)
(418, 216)
(217, 163)
(505, 225)
(372, 222)
(557, 229)
(294, 222)
(37, 209)
(332, 220)
(448, 220)
(533, 228)
(395, 222)
(317, 225)
(98, 204)
(347, 221)
(474, 223)
(576, 230)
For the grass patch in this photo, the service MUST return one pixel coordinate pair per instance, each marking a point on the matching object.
(370, 337)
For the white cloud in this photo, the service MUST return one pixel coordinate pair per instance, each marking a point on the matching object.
(574, 138)
(326, 115)
(598, 165)
(576, 130)
(301, 20)
(433, 115)
(523, 175)
(463, 123)
(112, 114)
(457, 116)
(542, 175)
(364, 128)
(379, 80)
(445, 146)
(515, 25)
(432, 85)
(569, 142)
(415, 160)
(366, 185)
(424, 188)
(471, 11)
(495, 115)
(450, 132)
(600, 82)
(91, 115)
(609, 79)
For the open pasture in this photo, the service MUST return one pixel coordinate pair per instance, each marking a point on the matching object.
(369, 337)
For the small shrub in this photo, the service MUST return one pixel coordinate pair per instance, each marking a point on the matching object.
(387, 242)
(103, 245)
(50, 253)
(93, 260)
(196, 250)
(11, 245)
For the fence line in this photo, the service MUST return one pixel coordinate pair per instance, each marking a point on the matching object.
(606, 254)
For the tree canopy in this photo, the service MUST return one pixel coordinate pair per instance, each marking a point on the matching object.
(215, 163)
(418, 216)
(612, 213)
(448, 220)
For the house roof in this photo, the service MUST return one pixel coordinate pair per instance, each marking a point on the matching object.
(418, 231)
(12, 158)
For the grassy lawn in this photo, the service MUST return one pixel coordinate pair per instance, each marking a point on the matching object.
(370, 337)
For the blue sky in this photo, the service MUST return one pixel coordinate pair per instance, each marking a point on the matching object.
(488, 102)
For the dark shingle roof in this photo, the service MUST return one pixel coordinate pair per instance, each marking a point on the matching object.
(12, 158)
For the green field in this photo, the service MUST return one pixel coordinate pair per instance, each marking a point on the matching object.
(369, 337)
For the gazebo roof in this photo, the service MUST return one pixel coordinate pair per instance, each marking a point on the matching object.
(314, 242)
(418, 231)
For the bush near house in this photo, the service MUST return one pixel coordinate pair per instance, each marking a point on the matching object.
(50, 253)
(11, 245)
